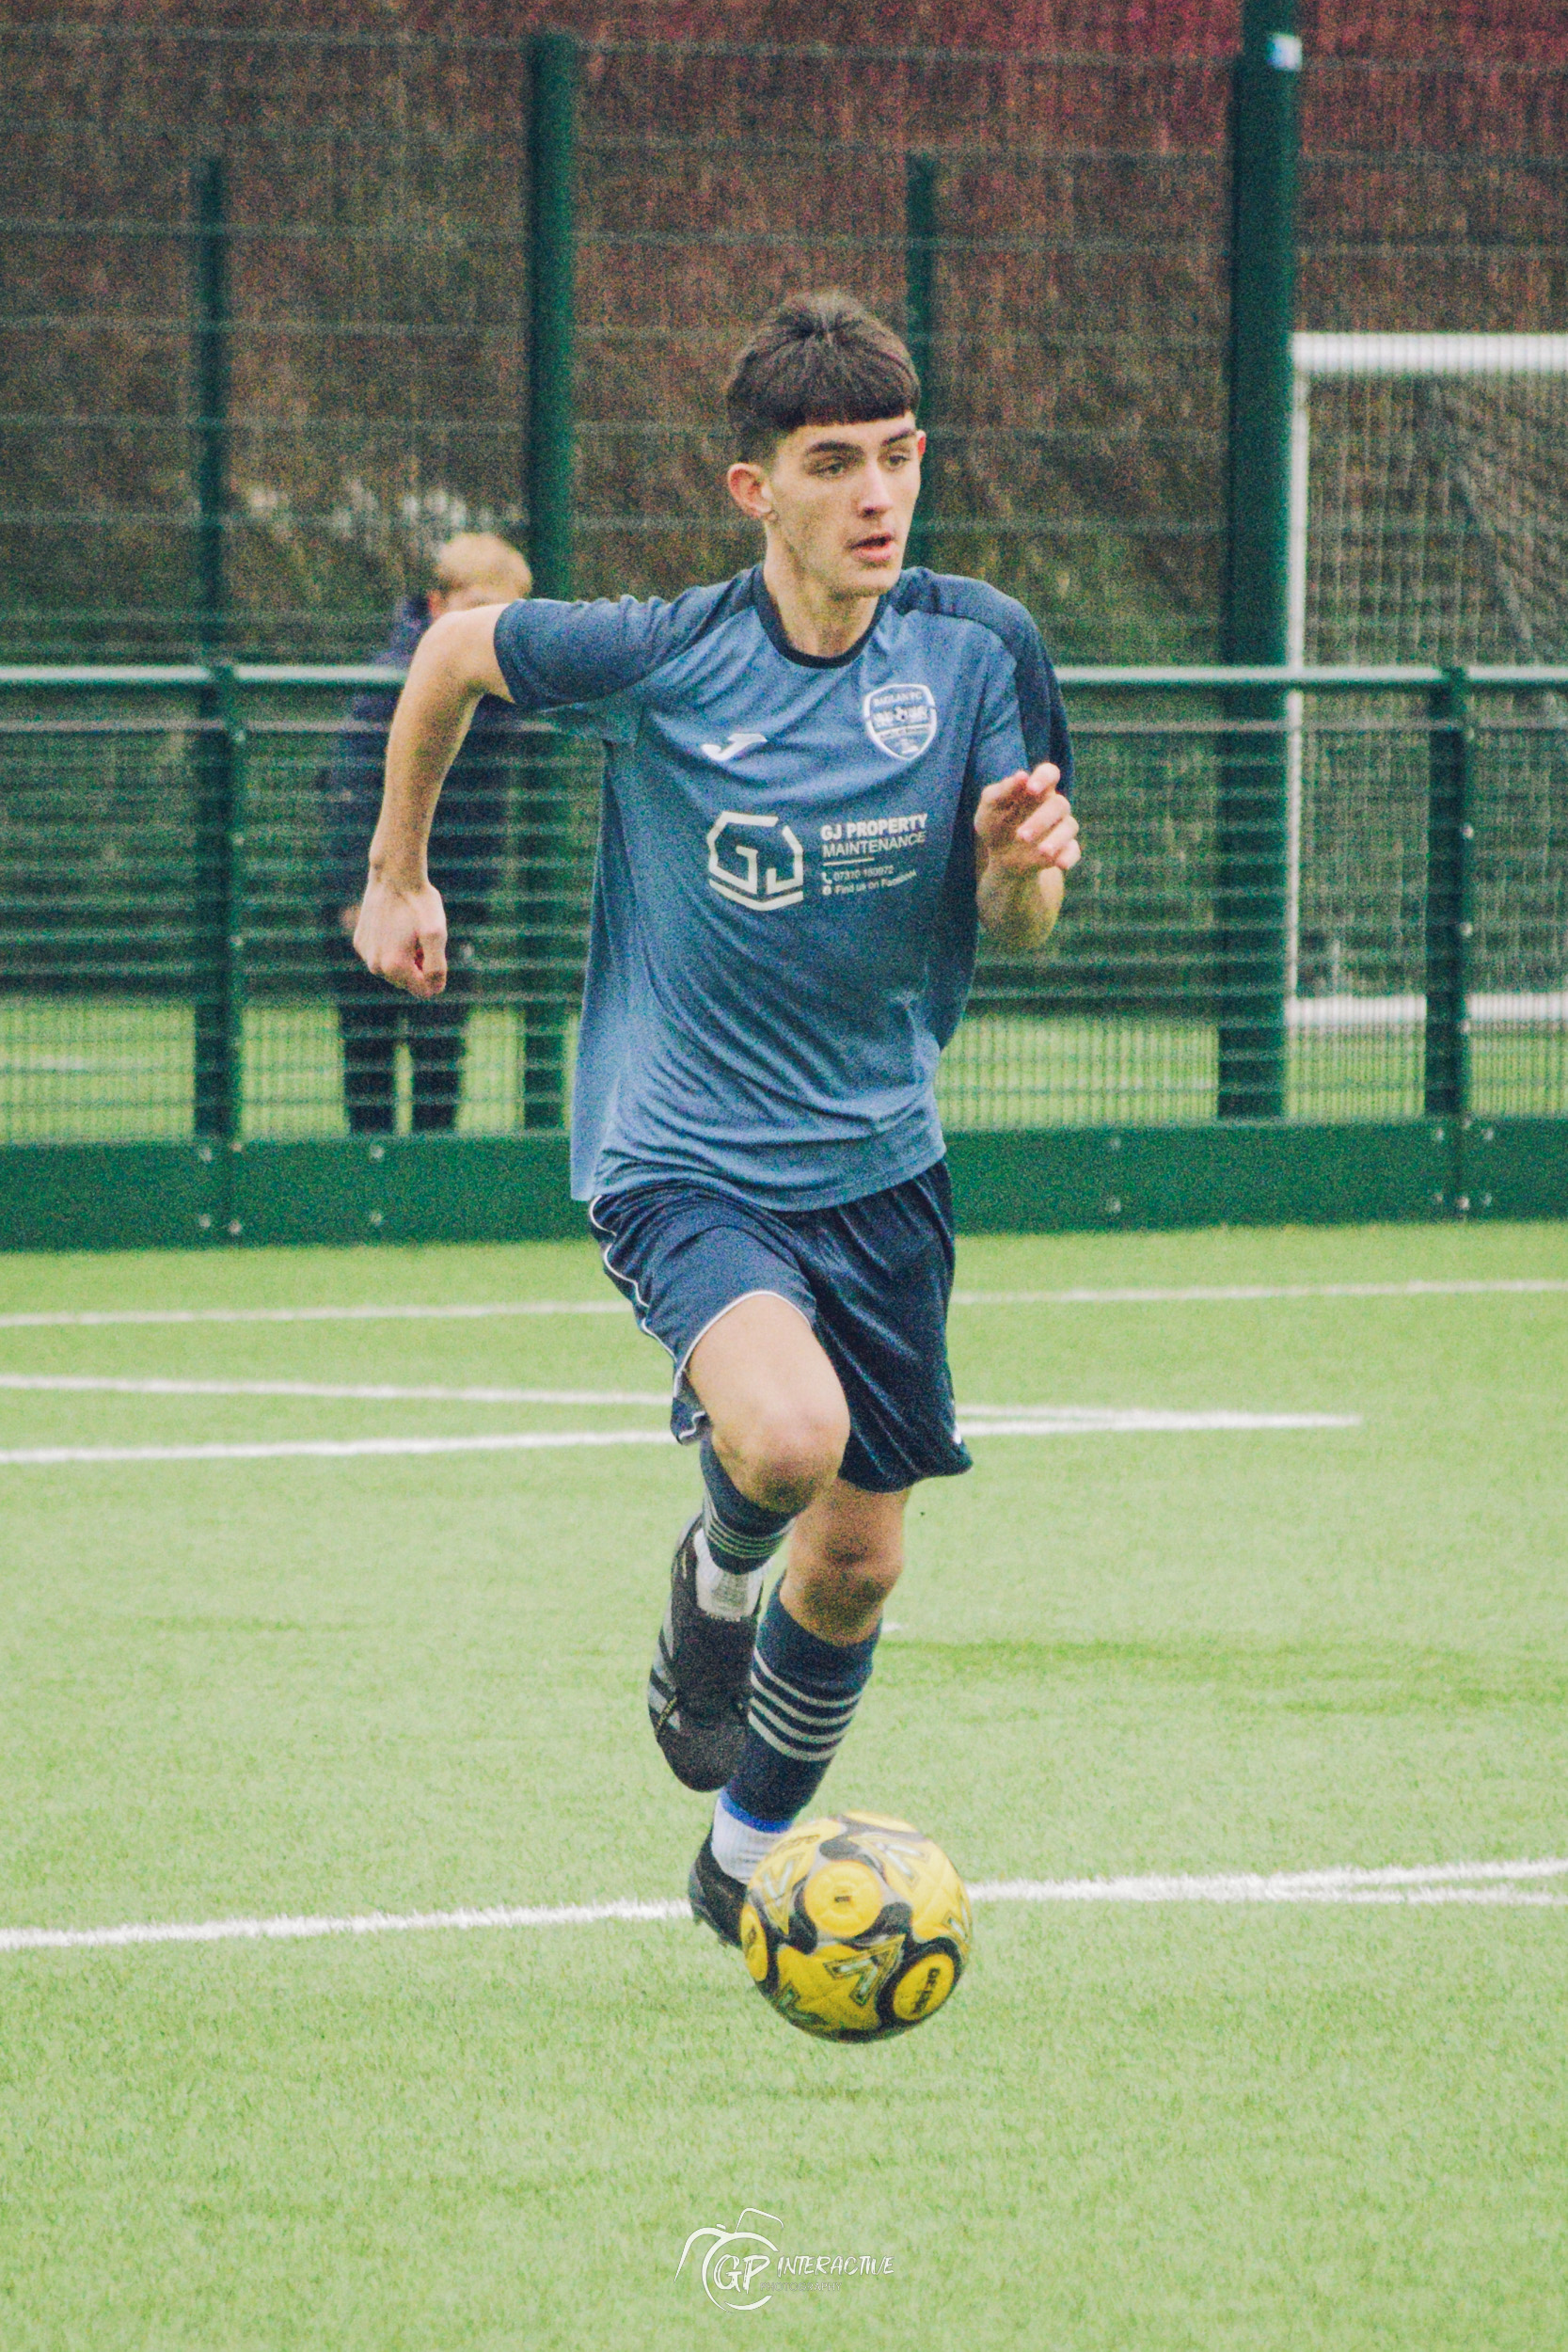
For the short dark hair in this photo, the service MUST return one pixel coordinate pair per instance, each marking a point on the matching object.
(819, 359)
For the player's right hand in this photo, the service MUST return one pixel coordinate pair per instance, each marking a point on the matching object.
(402, 935)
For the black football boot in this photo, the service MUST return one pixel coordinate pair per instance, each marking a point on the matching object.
(714, 1896)
(701, 1679)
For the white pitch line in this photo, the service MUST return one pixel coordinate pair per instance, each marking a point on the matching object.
(991, 1420)
(92, 1318)
(331, 1449)
(370, 1393)
(1489, 1882)
(1232, 1294)
(288, 1929)
(1070, 1421)
(1344, 1884)
(978, 1420)
(1194, 1294)
(1073, 1422)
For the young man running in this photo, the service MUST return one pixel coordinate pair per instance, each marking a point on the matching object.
(819, 777)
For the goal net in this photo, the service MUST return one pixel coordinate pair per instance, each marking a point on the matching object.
(1430, 506)
(1428, 523)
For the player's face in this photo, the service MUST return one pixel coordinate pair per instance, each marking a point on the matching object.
(840, 497)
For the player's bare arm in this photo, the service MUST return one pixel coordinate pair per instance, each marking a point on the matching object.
(1026, 844)
(401, 931)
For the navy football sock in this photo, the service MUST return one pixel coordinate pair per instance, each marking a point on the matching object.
(736, 1539)
(805, 1693)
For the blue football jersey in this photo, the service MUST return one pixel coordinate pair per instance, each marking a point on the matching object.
(783, 924)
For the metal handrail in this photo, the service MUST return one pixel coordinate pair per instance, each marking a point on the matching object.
(1321, 677)
(1169, 678)
(195, 676)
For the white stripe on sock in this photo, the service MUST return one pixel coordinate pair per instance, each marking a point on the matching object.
(806, 1704)
(789, 1721)
(800, 1727)
(736, 1543)
(772, 1737)
(720, 1594)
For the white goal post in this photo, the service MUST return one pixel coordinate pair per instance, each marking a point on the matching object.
(1317, 357)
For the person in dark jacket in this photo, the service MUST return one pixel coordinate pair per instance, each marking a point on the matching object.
(475, 568)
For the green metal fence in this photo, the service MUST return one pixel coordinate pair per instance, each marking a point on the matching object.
(290, 308)
(284, 310)
(207, 1012)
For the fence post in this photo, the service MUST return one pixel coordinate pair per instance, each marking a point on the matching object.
(552, 293)
(217, 1011)
(551, 437)
(1254, 788)
(210, 389)
(920, 291)
(219, 1043)
(1448, 924)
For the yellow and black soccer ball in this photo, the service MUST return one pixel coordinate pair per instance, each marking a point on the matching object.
(856, 1927)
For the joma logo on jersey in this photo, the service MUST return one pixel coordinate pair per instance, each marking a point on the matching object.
(736, 867)
(900, 720)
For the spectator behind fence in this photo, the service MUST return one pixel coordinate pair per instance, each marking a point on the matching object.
(466, 845)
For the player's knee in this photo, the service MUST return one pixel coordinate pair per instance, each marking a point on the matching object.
(849, 1581)
(791, 1453)
(862, 1575)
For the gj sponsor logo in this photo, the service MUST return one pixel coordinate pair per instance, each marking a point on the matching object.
(900, 720)
(764, 873)
(743, 2269)
(871, 853)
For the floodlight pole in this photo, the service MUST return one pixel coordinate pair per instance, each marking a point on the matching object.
(920, 288)
(1254, 847)
(555, 75)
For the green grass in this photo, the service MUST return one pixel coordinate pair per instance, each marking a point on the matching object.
(326, 1686)
(94, 1070)
(97, 1070)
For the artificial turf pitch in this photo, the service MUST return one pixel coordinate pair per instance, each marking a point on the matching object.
(398, 1684)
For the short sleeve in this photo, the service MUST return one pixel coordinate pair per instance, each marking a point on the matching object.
(1023, 720)
(581, 665)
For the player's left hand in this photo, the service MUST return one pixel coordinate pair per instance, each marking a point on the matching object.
(1024, 824)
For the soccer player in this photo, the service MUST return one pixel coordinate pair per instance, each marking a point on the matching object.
(819, 777)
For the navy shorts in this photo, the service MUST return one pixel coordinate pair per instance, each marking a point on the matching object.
(872, 1278)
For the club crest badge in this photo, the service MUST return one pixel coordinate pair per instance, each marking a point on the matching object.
(900, 720)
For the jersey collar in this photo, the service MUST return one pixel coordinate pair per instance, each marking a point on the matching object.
(768, 613)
